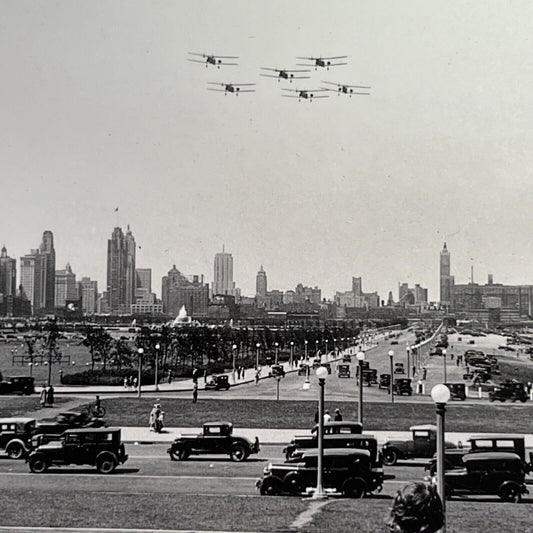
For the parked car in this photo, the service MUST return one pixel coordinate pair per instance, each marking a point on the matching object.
(63, 421)
(513, 443)
(15, 436)
(384, 381)
(18, 385)
(402, 386)
(100, 447)
(509, 391)
(399, 368)
(217, 382)
(333, 439)
(349, 472)
(277, 370)
(343, 371)
(499, 473)
(340, 427)
(215, 438)
(457, 391)
(423, 444)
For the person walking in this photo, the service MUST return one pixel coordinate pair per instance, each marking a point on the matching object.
(195, 393)
(327, 416)
(43, 397)
(50, 395)
(338, 416)
(169, 377)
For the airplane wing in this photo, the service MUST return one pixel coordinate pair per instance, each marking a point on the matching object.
(269, 75)
(271, 69)
(338, 57)
(196, 60)
(242, 84)
(226, 57)
(344, 85)
(337, 91)
(309, 58)
(336, 64)
(224, 63)
(247, 91)
(216, 83)
(290, 96)
(217, 90)
(321, 96)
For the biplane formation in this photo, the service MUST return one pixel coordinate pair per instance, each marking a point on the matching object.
(285, 74)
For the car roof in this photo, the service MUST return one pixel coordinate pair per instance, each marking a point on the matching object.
(500, 436)
(91, 430)
(429, 427)
(496, 456)
(218, 423)
(337, 451)
(17, 420)
(336, 423)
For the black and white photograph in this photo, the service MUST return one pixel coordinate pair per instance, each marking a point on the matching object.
(265, 266)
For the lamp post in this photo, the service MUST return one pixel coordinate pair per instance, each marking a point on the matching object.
(360, 359)
(257, 356)
(391, 357)
(321, 374)
(327, 353)
(140, 351)
(276, 356)
(234, 347)
(334, 347)
(292, 353)
(316, 348)
(157, 347)
(306, 361)
(407, 349)
(440, 395)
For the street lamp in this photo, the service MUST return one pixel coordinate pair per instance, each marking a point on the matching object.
(360, 359)
(408, 349)
(140, 351)
(321, 373)
(276, 356)
(444, 360)
(257, 356)
(391, 356)
(157, 347)
(292, 352)
(306, 361)
(327, 353)
(234, 351)
(316, 348)
(440, 395)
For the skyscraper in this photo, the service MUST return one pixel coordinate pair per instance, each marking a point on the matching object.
(48, 272)
(261, 283)
(121, 276)
(66, 287)
(8, 274)
(143, 286)
(88, 290)
(223, 275)
(30, 279)
(446, 280)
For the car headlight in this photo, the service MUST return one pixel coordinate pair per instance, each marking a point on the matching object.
(267, 468)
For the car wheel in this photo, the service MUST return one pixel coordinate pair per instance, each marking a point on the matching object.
(510, 492)
(15, 450)
(354, 487)
(182, 454)
(491, 398)
(38, 465)
(390, 457)
(293, 483)
(271, 486)
(106, 464)
(523, 399)
(238, 453)
(502, 400)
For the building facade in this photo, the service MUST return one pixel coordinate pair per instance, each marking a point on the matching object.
(261, 283)
(88, 291)
(223, 283)
(121, 275)
(446, 279)
(66, 286)
(8, 274)
(178, 290)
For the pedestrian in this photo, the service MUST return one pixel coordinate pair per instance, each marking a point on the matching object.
(134, 383)
(257, 377)
(338, 416)
(243, 373)
(50, 395)
(327, 416)
(130, 382)
(416, 508)
(169, 377)
(97, 403)
(126, 383)
(451, 356)
(154, 413)
(195, 393)
(316, 416)
(43, 397)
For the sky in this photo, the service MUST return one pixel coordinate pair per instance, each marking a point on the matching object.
(101, 109)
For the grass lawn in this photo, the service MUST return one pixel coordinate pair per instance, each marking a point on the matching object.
(300, 414)
(20, 405)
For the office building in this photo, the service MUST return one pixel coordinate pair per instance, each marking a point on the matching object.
(412, 296)
(261, 283)
(88, 292)
(8, 274)
(66, 287)
(223, 283)
(121, 275)
(143, 286)
(180, 290)
(446, 279)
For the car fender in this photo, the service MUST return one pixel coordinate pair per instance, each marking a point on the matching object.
(107, 452)
(18, 441)
(396, 447)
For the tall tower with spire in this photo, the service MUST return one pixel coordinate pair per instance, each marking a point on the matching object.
(446, 280)
(223, 275)
(261, 283)
(8, 274)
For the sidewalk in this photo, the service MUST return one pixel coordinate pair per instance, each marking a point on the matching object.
(139, 435)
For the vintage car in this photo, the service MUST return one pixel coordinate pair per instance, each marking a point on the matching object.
(346, 358)
(499, 473)
(513, 443)
(333, 440)
(217, 382)
(478, 375)
(15, 436)
(423, 444)
(277, 371)
(17, 385)
(509, 390)
(365, 366)
(215, 438)
(100, 447)
(347, 471)
(370, 376)
(399, 368)
(457, 391)
(343, 371)
(402, 386)
(384, 381)
(67, 420)
(340, 427)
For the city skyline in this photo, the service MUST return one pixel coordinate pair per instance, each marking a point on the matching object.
(316, 192)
